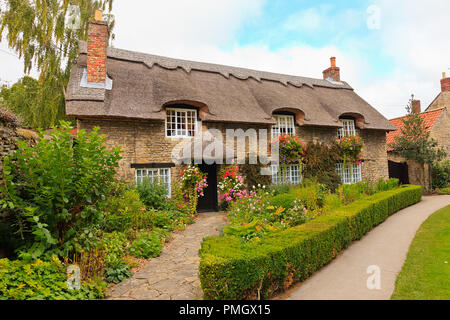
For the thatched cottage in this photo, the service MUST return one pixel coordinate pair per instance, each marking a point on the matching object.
(147, 104)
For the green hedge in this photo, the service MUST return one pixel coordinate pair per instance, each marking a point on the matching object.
(233, 270)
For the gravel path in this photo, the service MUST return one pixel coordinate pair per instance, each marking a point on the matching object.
(386, 246)
(173, 275)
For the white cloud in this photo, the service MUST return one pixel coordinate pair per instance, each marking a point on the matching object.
(11, 68)
(413, 33)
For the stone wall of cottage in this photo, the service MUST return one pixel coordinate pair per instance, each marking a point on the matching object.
(145, 142)
(374, 153)
(441, 131)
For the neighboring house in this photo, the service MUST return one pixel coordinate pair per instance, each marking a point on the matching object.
(147, 104)
(437, 122)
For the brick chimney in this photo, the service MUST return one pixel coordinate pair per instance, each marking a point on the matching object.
(332, 72)
(416, 108)
(445, 83)
(98, 36)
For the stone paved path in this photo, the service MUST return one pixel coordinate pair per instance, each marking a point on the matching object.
(386, 246)
(173, 275)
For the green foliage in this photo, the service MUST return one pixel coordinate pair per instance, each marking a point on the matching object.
(441, 175)
(415, 141)
(153, 195)
(233, 270)
(114, 244)
(21, 99)
(54, 189)
(117, 272)
(36, 30)
(445, 191)
(252, 175)
(285, 200)
(42, 280)
(162, 219)
(320, 163)
(146, 246)
(352, 192)
(126, 211)
(277, 189)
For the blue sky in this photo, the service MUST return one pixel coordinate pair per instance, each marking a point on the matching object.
(405, 54)
(342, 24)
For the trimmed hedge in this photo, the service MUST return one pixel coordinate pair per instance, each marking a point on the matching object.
(233, 270)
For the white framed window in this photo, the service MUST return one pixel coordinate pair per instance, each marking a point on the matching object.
(156, 175)
(349, 174)
(289, 174)
(285, 125)
(181, 123)
(348, 129)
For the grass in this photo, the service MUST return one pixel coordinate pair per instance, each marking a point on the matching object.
(426, 272)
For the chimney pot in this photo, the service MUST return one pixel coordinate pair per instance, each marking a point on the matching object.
(332, 72)
(445, 83)
(98, 15)
(416, 107)
(333, 61)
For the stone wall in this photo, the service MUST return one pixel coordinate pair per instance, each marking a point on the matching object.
(441, 130)
(8, 140)
(417, 173)
(441, 101)
(145, 142)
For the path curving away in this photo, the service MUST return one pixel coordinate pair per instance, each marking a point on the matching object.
(174, 274)
(386, 246)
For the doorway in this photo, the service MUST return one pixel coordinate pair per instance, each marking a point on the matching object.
(209, 202)
(400, 171)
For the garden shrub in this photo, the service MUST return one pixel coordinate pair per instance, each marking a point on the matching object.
(445, 191)
(125, 211)
(441, 175)
(114, 244)
(146, 246)
(253, 176)
(277, 189)
(54, 188)
(162, 219)
(42, 280)
(285, 200)
(233, 270)
(153, 195)
(320, 163)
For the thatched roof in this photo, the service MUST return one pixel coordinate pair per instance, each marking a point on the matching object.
(144, 84)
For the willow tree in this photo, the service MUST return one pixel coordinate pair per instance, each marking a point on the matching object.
(45, 34)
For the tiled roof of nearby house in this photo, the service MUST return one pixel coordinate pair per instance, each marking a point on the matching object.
(143, 84)
(430, 119)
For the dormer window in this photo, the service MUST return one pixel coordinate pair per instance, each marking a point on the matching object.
(181, 123)
(348, 129)
(285, 125)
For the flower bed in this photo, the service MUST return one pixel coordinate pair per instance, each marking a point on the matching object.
(231, 269)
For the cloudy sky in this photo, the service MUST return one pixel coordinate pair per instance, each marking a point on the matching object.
(387, 50)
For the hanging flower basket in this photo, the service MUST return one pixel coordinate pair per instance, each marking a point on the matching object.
(351, 147)
(292, 149)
